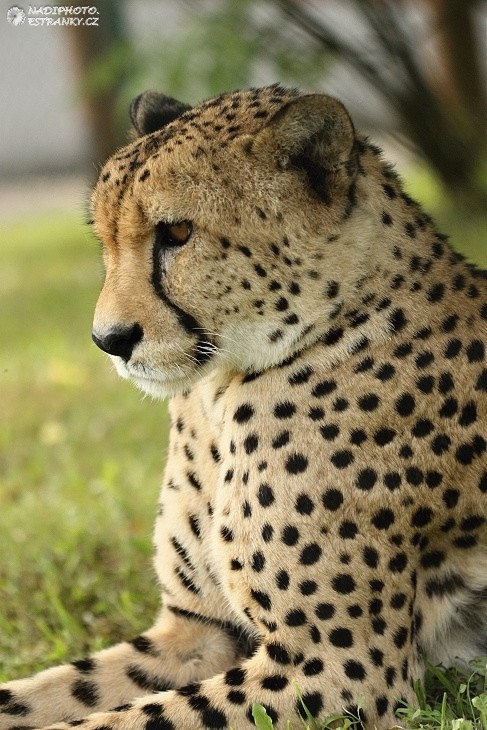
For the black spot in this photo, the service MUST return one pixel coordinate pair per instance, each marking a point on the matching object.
(400, 637)
(371, 557)
(423, 359)
(475, 351)
(465, 542)
(282, 304)
(296, 463)
(251, 443)
(308, 587)
(195, 526)
(397, 320)
(86, 665)
(304, 505)
(354, 670)
(449, 408)
(295, 617)
(312, 701)
(452, 348)
(275, 683)
(414, 476)
(433, 479)
(389, 191)
(143, 643)
(342, 459)
(348, 530)
(398, 563)
(265, 495)
(368, 402)
(329, 431)
(278, 653)
(213, 719)
(472, 522)
(226, 534)
(235, 677)
(440, 444)
(236, 697)
(385, 372)
(301, 376)
(383, 519)
(432, 559)
(382, 705)
(341, 637)
(332, 499)
(263, 599)
(422, 428)
(258, 561)
(333, 287)
(290, 535)
(281, 440)
(422, 517)
(313, 667)
(310, 554)
(451, 497)
(384, 436)
(243, 413)
(333, 336)
(85, 692)
(325, 387)
(366, 479)
(316, 413)
(325, 611)
(193, 480)
(284, 410)
(436, 293)
(282, 580)
(481, 383)
(343, 583)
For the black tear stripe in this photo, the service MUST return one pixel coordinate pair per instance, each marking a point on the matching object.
(202, 353)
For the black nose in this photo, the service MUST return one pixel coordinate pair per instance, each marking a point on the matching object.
(120, 340)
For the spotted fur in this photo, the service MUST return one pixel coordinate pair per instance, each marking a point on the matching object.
(322, 519)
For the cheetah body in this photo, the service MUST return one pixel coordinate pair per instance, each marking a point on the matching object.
(322, 519)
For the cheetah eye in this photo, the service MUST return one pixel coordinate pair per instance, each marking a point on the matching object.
(173, 234)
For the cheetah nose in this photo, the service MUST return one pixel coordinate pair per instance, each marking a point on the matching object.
(119, 340)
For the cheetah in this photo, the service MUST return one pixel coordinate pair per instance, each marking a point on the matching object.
(321, 527)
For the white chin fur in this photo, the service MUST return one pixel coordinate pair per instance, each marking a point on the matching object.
(160, 387)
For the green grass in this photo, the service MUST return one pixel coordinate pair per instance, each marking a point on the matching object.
(450, 699)
(81, 456)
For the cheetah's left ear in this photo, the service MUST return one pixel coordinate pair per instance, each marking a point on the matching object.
(314, 133)
(151, 111)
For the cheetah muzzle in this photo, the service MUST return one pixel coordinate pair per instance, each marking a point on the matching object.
(322, 519)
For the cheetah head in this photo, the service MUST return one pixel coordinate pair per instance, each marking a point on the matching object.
(225, 228)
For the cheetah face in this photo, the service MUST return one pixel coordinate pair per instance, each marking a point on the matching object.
(223, 227)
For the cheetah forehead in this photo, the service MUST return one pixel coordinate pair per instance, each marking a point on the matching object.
(217, 120)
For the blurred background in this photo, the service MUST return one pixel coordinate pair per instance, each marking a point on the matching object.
(80, 453)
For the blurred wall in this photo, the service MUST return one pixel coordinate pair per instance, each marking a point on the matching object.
(41, 121)
(42, 124)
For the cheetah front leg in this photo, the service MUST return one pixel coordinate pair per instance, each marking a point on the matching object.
(171, 654)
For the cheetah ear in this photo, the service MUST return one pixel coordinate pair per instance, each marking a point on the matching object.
(151, 111)
(313, 133)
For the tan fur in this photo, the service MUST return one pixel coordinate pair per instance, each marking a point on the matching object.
(322, 519)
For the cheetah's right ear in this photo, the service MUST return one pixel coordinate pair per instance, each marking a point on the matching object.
(151, 111)
(313, 133)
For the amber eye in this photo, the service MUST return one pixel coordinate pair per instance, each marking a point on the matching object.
(173, 234)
